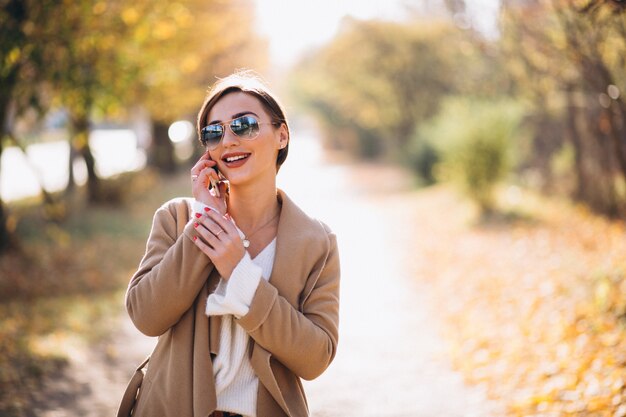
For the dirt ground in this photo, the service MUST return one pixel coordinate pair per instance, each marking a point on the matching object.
(391, 359)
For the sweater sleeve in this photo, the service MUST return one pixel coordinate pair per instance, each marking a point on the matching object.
(239, 290)
(198, 207)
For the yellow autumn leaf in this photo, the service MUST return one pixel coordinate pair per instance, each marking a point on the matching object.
(130, 16)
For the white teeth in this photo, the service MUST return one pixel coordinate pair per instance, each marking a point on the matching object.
(236, 158)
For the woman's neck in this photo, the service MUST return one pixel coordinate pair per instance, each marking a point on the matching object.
(252, 206)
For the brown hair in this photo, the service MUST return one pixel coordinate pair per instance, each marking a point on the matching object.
(250, 83)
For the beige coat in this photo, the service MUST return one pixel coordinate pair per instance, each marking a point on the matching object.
(292, 321)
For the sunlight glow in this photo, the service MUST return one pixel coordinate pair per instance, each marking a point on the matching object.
(294, 27)
(180, 131)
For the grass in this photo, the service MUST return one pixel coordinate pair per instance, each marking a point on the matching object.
(66, 285)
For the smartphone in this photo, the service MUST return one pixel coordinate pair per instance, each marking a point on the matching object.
(213, 182)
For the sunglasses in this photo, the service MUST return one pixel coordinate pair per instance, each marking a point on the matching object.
(244, 127)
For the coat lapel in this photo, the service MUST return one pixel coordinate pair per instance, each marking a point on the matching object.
(299, 243)
(301, 246)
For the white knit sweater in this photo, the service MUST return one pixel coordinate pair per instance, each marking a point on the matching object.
(235, 382)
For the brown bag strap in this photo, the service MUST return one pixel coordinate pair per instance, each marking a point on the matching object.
(130, 395)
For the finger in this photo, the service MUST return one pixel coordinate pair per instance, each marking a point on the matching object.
(195, 173)
(210, 179)
(212, 173)
(211, 240)
(211, 162)
(203, 161)
(207, 158)
(210, 226)
(223, 222)
(206, 237)
(200, 165)
(204, 248)
(204, 176)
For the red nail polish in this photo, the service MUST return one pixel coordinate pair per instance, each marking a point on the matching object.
(207, 209)
(195, 238)
(196, 225)
(198, 215)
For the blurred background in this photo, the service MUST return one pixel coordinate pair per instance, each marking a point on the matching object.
(487, 136)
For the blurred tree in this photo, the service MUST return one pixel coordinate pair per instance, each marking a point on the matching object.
(180, 47)
(12, 17)
(476, 139)
(160, 55)
(102, 57)
(86, 72)
(377, 81)
(21, 70)
(569, 58)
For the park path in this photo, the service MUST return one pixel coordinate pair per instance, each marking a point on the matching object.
(391, 360)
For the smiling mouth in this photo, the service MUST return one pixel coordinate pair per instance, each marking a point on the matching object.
(234, 159)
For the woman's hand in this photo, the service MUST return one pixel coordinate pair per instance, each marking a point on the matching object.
(219, 240)
(202, 173)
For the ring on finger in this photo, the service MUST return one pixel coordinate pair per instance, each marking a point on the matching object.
(218, 233)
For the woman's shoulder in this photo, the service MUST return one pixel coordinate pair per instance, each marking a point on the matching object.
(299, 220)
(176, 207)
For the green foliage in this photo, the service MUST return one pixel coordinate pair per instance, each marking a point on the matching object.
(563, 161)
(422, 157)
(475, 141)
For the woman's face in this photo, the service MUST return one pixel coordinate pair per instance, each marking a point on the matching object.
(243, 161)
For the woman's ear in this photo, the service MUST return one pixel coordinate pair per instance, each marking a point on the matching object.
(283, 136)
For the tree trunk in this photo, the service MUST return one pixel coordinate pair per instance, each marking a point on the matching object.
(71, 182)
(617, 132)
(610, 200)
(582, 181)
(7, 238)
(80, 140)
(162, 150)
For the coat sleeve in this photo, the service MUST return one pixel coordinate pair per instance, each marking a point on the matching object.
(305, 339)
(170, 275)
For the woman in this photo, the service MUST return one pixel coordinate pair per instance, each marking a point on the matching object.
(239, 284)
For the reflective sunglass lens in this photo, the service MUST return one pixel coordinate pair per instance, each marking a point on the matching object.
(212, 134)
(245, 127)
